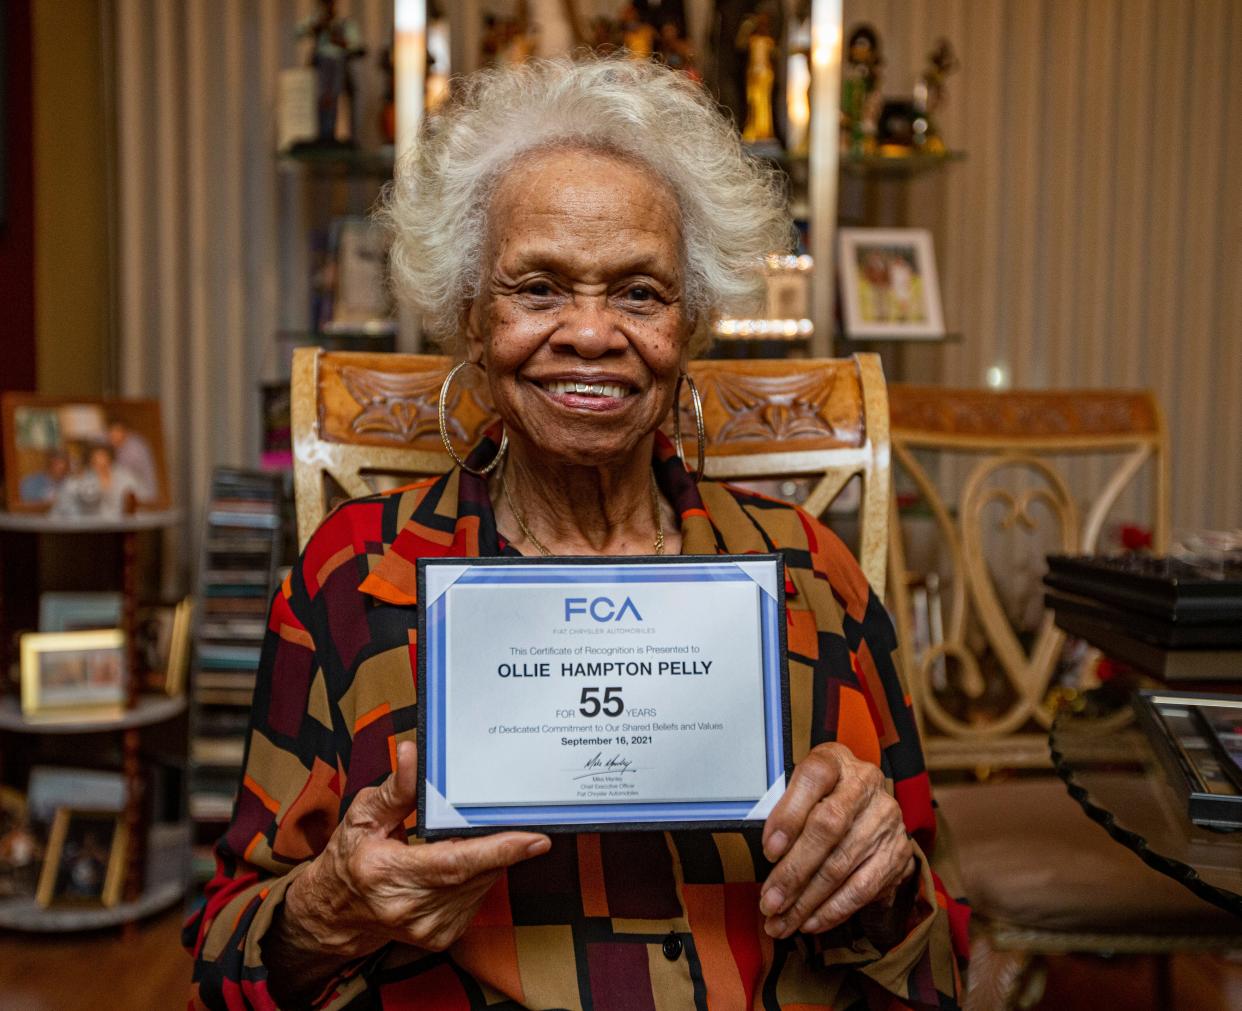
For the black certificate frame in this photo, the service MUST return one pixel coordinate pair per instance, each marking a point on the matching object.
(779, 633)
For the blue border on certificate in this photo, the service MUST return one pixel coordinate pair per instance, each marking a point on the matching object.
(433, 677)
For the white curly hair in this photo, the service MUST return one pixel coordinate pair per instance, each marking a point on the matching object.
(733, 209)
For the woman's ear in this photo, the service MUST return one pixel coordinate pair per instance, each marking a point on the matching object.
(472, 327)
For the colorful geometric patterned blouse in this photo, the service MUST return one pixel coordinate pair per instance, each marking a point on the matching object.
(654, 921)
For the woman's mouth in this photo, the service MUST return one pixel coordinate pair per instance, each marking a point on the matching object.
(580, 394)
(613, 390)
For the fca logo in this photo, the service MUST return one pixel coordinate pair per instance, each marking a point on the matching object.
(600, 608)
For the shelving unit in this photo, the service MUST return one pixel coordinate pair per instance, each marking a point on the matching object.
(241, 552)
(158, 847)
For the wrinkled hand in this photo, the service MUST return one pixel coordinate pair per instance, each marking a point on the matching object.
(369, 886)
(840, 840)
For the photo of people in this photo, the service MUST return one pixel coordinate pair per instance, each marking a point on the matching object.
(72, 671)
(85, 857)
(888, 284)
(91, 461)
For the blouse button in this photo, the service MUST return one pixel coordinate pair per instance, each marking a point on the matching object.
(672, 947)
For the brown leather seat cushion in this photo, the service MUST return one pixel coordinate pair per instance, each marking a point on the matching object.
(1030, 856)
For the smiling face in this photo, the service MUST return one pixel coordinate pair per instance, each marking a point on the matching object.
(580, 323)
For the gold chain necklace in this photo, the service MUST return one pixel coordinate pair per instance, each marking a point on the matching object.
(526, 532)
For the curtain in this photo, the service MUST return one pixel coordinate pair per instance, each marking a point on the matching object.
(1093, 235)
(212, 233)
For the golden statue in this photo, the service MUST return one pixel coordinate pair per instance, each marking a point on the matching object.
(755, 36)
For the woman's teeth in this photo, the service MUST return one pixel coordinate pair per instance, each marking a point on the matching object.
(588, 389)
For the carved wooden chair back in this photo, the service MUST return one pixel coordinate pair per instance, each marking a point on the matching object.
(362, 422)
(1020, 452)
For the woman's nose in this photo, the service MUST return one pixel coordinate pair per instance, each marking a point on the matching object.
(589, 329)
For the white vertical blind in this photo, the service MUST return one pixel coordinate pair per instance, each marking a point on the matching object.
(1093, 236)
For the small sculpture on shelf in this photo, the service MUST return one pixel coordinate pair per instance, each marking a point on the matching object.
(860, 90)
(929, 95)
(755, 38)
(336, 42)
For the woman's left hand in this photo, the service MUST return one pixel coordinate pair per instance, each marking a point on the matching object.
(840, 840)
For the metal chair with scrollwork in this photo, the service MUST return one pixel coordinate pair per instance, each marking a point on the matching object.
(1041, 876)
(1009, 453)
(364, 422)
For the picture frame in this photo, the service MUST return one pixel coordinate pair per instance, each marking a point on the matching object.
(74, 675)
(358, 249)
(889, 285)
(82, 457)
(79, 612)
(84, 863)
(177, 661)
(51, 787)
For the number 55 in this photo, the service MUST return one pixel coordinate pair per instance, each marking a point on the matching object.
(589, 703)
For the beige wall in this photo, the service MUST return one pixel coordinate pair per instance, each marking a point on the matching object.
(72, 278)
(1093, 236)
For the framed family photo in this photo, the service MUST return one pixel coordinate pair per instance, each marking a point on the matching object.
(889, 287)
(73, 675)
(82, 458)
(85, 859)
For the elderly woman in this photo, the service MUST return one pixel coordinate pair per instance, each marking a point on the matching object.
(572, 227)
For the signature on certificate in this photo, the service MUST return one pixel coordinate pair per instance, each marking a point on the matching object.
(598, 765)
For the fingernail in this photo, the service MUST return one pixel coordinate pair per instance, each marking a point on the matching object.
(538, 846)
(771, 901)
(775, 928)
(776, 845)
(812, 925)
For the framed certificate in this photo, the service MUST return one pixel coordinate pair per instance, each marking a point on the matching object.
(594, 694)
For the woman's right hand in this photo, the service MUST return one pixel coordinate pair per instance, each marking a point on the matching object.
(369, 886)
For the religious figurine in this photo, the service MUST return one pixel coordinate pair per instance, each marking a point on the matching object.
(860, 90)
(929, 95)
(755, 37)
(637, 36)
(336, 41)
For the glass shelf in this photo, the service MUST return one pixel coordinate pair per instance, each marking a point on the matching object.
(899, 167)
(339, 161)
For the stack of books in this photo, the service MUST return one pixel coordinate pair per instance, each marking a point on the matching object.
(241, 553)
(1167, 617)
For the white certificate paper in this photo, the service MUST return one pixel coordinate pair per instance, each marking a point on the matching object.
(597, 693)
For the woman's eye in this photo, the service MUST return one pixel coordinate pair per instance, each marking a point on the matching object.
(640, 293)
(540, 289)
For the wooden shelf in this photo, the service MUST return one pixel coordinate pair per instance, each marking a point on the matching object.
(26, 914)
(151, 709)
(41, 523)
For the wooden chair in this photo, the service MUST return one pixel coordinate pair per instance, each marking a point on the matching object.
(1011, 452)
(366, 421)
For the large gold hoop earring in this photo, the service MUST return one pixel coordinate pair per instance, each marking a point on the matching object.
(698, 424)
(444, 436)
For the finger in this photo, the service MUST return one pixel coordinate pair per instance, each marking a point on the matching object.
(813, 779)
(387, 806)
(873, 878)
(824, 827)
(806, 877)
(455, 862)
